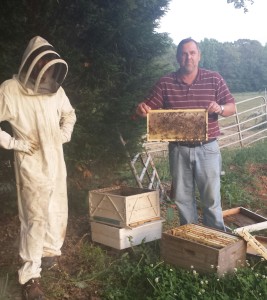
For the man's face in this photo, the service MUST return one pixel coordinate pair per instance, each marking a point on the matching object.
(189, 58)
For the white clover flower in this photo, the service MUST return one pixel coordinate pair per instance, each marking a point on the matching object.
(203, 291)
(218, 279)
(156, 279)
(212, 266)
(192, 267)
(256, 275)
(171, 270)
(218, 267)
(206, 281)
(151, 265)
(199, 293)
(235, 269)
(194, 272)
(263, 276)
(201, 282)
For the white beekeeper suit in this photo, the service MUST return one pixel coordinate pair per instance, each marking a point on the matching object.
(42, 119)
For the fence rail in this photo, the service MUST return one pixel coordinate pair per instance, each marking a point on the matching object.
(247, 126)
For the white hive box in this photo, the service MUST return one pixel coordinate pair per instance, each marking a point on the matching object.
(121, 238)
(123, 206)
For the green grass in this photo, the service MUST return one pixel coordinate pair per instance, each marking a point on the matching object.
(140, 273)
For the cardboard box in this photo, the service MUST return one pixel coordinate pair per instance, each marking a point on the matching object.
(204, 249)
(189, 125)
(121, 238)
(241, 217)
(123, 206)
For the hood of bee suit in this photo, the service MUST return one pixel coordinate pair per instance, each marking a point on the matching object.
(42, 71)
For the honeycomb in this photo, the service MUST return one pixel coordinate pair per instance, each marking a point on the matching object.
(204, 236)
(177, 125)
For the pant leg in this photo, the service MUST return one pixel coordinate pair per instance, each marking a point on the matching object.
(43, 213)
(33, 210)
(56, 220)
(183, 185)
(208, 170)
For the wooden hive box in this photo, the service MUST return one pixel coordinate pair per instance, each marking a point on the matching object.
(240, 217)
(177, 125)
(121, 238)
(123, 206)
(204, 249)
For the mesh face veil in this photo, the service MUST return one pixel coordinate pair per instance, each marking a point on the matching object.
(42, 70)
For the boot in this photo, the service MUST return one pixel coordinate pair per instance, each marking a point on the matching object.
(50, 263)
(32, 290)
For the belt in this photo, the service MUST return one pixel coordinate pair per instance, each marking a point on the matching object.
(194, 144)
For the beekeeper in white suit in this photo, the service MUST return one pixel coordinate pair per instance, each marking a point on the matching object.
(42, 120)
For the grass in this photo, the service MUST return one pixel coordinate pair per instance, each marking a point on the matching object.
(3, 287)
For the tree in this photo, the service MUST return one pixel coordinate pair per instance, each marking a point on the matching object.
(241, 4)
(111, 48)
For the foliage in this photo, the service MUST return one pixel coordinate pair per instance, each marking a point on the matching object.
(3, 288)
(241, 63)
(241, 4)
(113, 55)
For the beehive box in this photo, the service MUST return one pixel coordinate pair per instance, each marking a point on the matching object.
(123, 206)
(205, 249)
(241, 217)
(177, 125)
(121, 238)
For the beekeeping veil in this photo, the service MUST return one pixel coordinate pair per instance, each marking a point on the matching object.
(41, 70)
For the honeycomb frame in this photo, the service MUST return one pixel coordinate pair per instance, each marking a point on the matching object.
(188, 125)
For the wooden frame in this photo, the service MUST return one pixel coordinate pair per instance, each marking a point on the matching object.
(177, 125)
(239, 217)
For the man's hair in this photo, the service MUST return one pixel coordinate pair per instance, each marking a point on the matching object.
(185, 41)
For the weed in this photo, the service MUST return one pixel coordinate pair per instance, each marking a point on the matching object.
(3, 288)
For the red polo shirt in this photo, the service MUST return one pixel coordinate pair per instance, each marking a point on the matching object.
(171, 93)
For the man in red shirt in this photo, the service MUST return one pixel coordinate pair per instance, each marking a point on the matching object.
(199, 163)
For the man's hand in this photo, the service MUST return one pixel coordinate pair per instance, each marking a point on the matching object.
(142, 109)
(214, 107)
(28, 147)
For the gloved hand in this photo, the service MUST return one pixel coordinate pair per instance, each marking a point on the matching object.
(28, 147)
